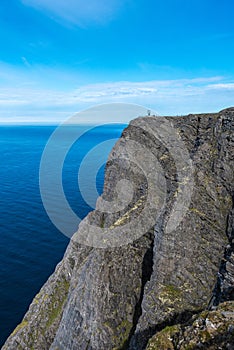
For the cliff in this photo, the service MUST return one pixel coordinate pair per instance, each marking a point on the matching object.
(165, 277)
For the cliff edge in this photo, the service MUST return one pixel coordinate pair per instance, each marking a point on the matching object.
(172, 286)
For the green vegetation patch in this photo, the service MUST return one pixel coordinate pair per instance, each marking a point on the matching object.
(164, 339)
(19, 327)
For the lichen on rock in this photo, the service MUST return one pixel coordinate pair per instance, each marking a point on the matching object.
(149, 292)
(211, 330)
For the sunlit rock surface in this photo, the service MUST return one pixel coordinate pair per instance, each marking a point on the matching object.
(163, 290)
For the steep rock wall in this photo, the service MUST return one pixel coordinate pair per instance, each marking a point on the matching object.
(119, 297)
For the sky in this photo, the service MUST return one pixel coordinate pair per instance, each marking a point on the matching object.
(59, 57)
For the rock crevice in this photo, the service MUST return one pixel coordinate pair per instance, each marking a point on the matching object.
(155, 287)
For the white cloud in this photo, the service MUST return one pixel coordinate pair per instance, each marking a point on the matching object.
(149, 89)
(224, 86)
(78, 12)
(25, 62)
(25, 99)
(117, 90)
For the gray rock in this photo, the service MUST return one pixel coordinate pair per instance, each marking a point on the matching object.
(120, 296)
(186, 263)
(211, 330)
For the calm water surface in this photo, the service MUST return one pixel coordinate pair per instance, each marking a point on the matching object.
(29, 243)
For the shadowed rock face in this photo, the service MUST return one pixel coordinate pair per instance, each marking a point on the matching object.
(118, 298)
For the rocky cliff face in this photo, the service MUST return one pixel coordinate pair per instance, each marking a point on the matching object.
(169, 288)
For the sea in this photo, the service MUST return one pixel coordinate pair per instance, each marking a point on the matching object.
(30, 244)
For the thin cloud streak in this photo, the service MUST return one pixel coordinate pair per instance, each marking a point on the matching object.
(105, 92)
(78, 12)
(23, 96)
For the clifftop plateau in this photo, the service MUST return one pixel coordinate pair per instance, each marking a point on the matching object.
(170, 283)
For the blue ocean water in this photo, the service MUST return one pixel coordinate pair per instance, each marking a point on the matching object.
(30, 244)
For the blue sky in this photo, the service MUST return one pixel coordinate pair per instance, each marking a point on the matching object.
(58, 57)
